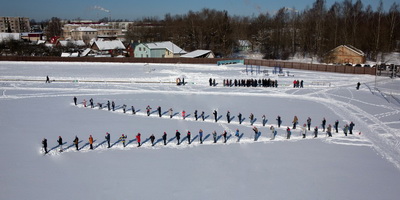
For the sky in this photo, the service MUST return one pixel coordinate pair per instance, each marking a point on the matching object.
(134, 9)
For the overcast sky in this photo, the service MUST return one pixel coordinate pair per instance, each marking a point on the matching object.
(135, 9)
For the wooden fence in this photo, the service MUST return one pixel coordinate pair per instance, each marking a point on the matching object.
(270, 63)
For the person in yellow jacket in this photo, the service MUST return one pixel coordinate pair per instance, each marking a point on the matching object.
(91, 142)
(295, 121)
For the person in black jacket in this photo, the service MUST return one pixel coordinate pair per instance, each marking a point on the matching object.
(164, 137)
(152, 138)
(178, 136)
(240, 118)
(75, 99)
(215, 113)
(228, 117)
(76, 142)
(224, 135)
(188, 137)
(44, 143)
(107, 137)
(60, 143)
(159, 111)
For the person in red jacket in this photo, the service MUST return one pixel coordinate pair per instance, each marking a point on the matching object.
(138, 139)
(183, 114)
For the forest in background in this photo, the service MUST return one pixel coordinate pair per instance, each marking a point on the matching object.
(288, 32)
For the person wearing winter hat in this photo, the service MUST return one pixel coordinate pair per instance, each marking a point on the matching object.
(288, 133)
(152, 138)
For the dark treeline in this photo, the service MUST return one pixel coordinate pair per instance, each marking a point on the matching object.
(311, 32)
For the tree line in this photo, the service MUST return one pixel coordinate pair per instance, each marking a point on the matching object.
(311, 32)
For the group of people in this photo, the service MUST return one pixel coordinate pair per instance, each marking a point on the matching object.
(250, 83)
(298, 84)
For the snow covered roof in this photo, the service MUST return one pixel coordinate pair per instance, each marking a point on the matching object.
(244, 43)
(7, 36)
(85, 29)
(351, 48)
(166, 45)
(196, 53)
(109, 45)
(75, 42)
(86, 52)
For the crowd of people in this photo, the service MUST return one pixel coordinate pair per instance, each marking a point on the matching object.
(250, 83)
(328, 129)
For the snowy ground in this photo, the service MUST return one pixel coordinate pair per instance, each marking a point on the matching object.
(362, 166)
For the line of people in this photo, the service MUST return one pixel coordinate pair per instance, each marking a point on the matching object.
(250, 83)
(348, 128)
(257, 134)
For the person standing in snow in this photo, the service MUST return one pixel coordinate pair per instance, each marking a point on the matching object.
(84, 103)
(164, 137)
(202, 115)
(316, 132)
(351, 126)
(108, 138)
(201, 136)
(295, 121)
(152, 138)
(323, 124)
(47, 79)
(272, 128)
(224, 135)
(113, 105)
(210, 81)
(358, 85)
(336, 125)
(170, 113)
(279, 120)
(44, 144)
(60, 143)
(76, 142)
(329, 131)
(183, 114)
(237, 134)
(188, 137)
(159, 111)
(251, 117)
(215, 113)
(108, 105)
(138, 139)
(240, 118)
(264, 120)
(148, 110)
(195, 115)
(304, 131)
(228, 117)
(75, 99)
(91, 102)
(309, 123)
(345, 129)
(178, 136)
(133, 110)
(214, 133)
(91, 142)
(123, 138)
(124, 108)
(301, 84)
(255, 129)
(288, 133)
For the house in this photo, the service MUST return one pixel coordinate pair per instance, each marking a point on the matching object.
(345, 54)
(244, 45)
(199, 54)
(158, 50)
(32, 37)
(114, 47)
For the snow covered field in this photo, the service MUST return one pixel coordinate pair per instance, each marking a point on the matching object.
(365, 166)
